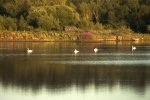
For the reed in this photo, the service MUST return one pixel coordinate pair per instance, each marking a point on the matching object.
(105, 35)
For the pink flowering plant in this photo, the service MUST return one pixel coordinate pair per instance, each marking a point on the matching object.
(86, 36)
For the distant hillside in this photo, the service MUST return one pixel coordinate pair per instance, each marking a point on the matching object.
(54, 15)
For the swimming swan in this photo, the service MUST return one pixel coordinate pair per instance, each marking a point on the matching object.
(76, 51)
(29, 50)
(95, 50)
(133, 48)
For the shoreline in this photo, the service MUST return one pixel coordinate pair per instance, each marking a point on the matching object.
(31, 36)
(90, 41)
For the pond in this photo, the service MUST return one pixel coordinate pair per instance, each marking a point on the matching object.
(54, 72)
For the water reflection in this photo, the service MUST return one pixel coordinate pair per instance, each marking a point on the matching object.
(55, 67)
(62, 76)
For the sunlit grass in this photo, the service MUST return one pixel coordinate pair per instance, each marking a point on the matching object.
(105, 35)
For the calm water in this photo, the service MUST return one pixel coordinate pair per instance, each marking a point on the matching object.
(54, 72)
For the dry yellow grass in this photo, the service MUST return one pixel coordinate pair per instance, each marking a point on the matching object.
(67, 36)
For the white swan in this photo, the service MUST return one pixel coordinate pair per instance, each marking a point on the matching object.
(76, 51)
(95, 50)
(133, 48)
(29, 50)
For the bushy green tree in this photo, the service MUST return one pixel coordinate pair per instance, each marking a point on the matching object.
(48, 23)
(34, 16)
(22, 24)
(148, 28)
(43, 18)
(85, 11)
(81, 13)
(58, 2)
(66, 15)
(18, 8)
(2, 23)
(83, 23)
(10, 23)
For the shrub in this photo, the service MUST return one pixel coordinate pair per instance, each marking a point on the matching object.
(98, 26)
(83, 24)
(8, 23)
(148, 28)
(86, 36)
(1, 23)
(48, 23)
(66, 15)
(22, 24)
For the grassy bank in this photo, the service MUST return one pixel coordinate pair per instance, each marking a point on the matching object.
(105, 35)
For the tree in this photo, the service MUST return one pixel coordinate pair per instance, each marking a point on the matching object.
(48, 23)
(66, 15)
(81, 13)
(3, 11)
(85, 11)
(58, 2)
(34, 16)
(10, 23)
(148, 28)
(1, 23)
(96, 11)
(22, 24)
(18, 8)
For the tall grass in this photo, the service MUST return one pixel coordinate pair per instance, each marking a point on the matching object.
(108, 35)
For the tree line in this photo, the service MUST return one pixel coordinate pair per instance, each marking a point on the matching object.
(48, 15)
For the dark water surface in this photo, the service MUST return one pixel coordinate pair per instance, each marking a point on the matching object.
(54, 72)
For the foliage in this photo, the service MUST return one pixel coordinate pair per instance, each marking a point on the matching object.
(8, 23)
(1, 23)
(86, 36)
(83, 23)
(86, 14)
(148, 28)
(22, 24)
(66, 15)
(48, 23)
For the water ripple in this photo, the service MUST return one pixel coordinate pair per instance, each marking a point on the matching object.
(112, 62)
(82, 54)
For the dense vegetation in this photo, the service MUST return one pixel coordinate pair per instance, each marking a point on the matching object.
(48, 15)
